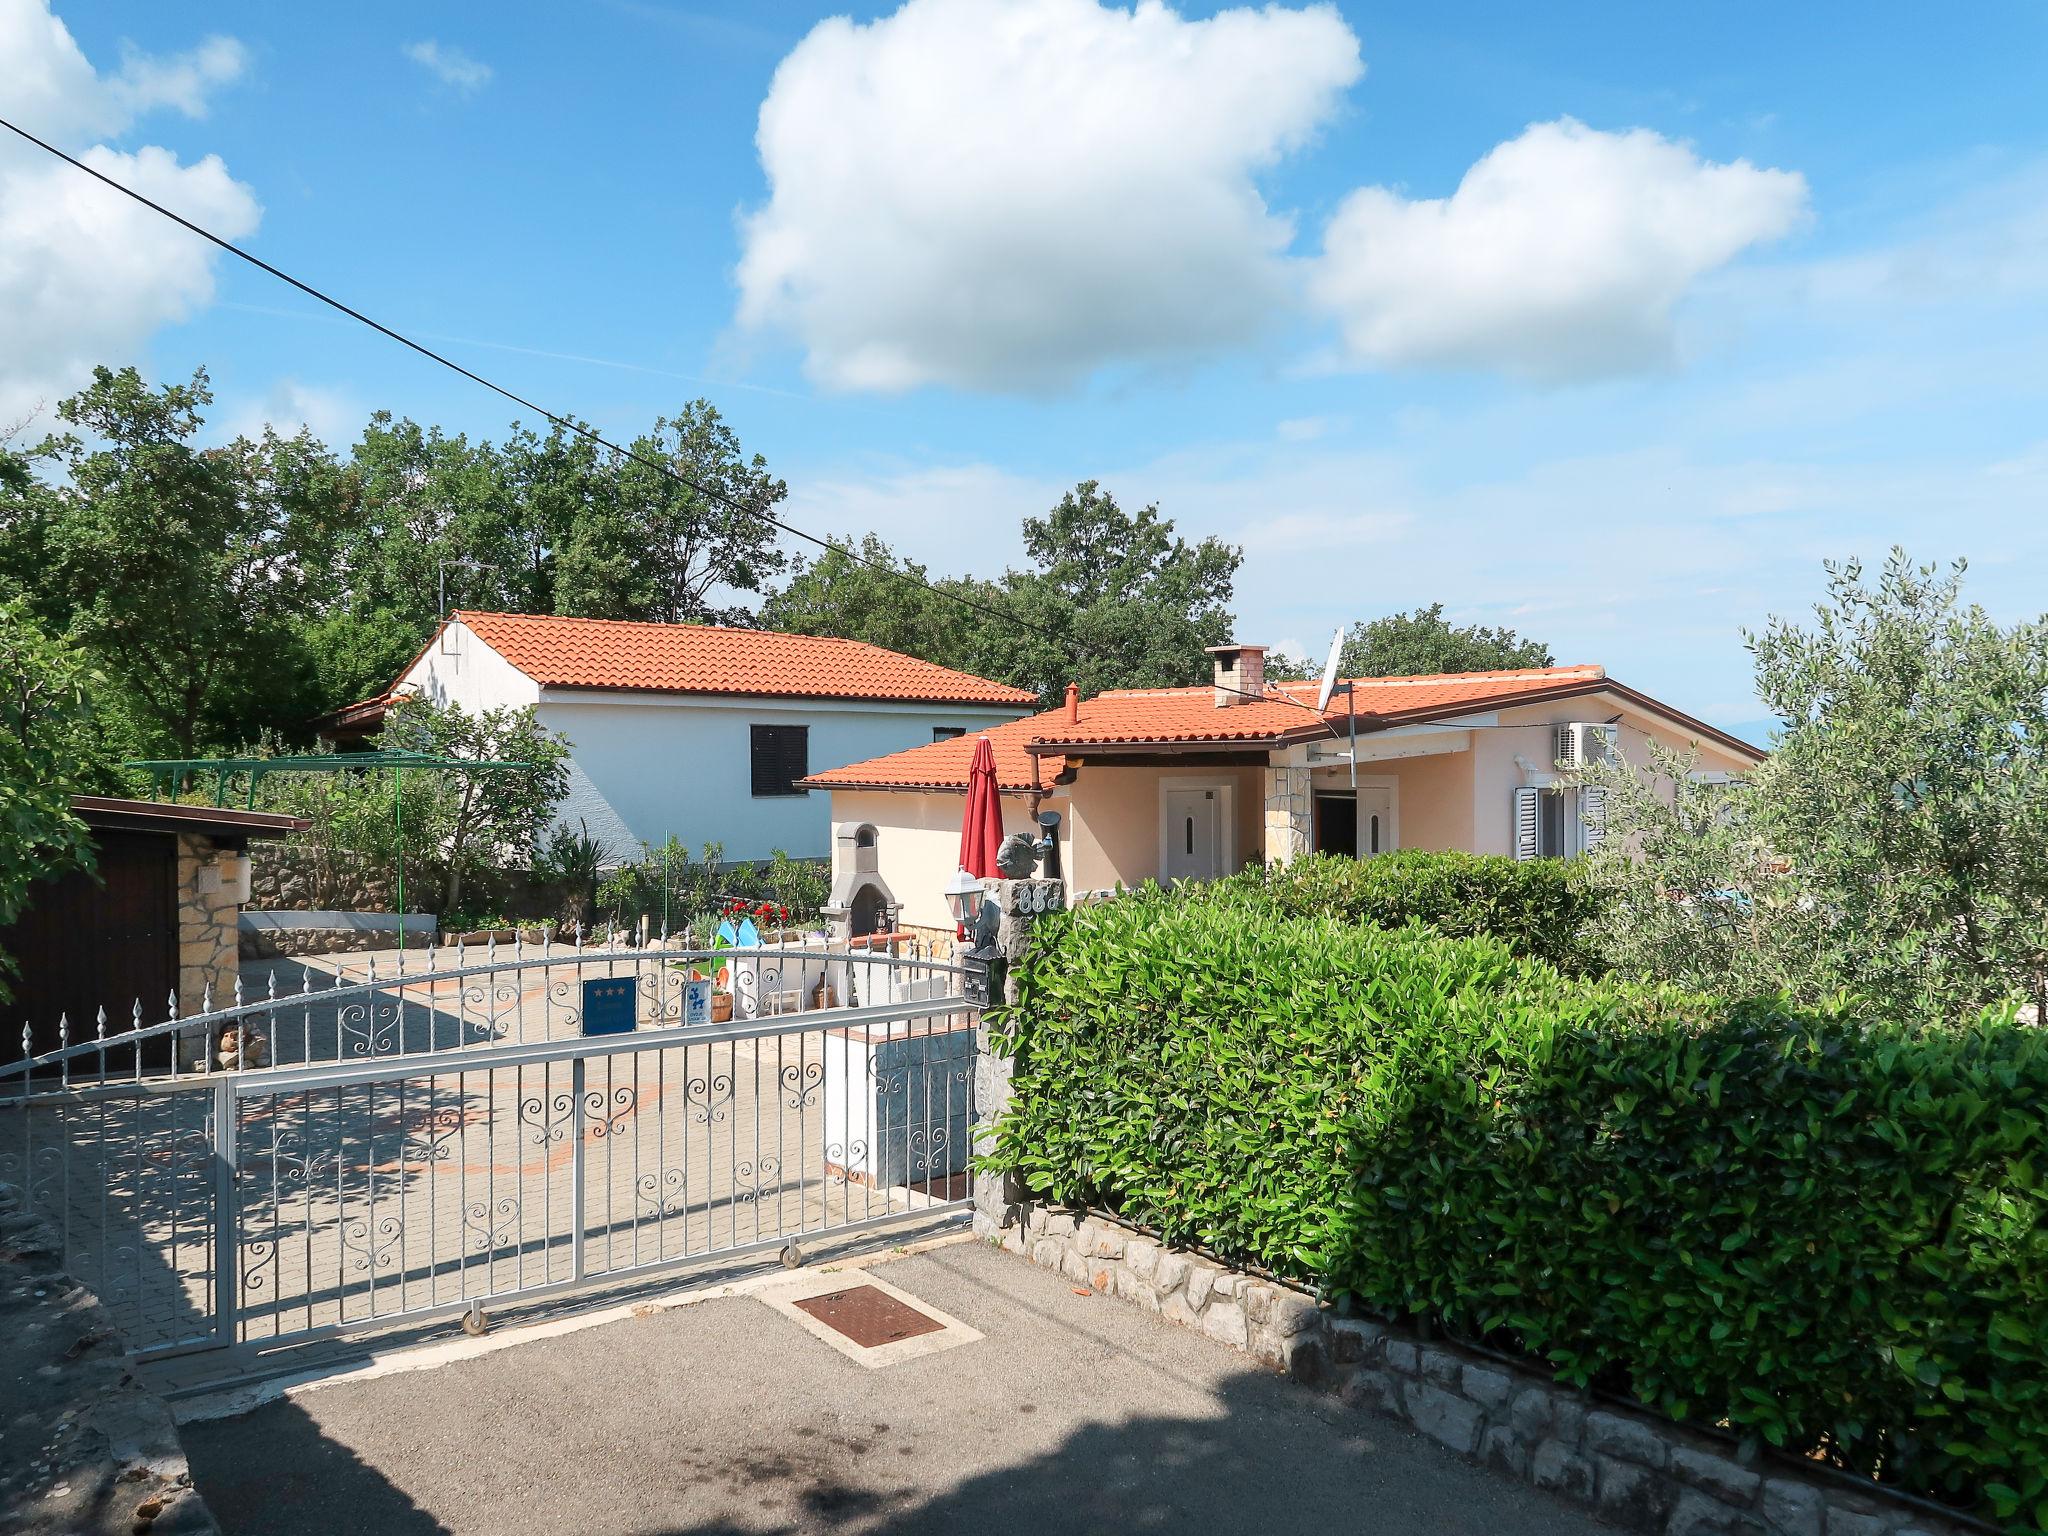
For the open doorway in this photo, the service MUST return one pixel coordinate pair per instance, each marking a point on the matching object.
(1356, 824)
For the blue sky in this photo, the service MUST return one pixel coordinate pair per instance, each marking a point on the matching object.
(1726, 291)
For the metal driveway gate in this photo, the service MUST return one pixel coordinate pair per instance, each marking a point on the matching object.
(449, 1139)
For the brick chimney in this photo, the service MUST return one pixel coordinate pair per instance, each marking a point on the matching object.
(1240, 674)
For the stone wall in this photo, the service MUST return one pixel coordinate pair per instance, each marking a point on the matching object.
(1636, 1470)
(291, 878)
(210, 890)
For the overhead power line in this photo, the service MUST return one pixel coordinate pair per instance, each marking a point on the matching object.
(566, 423)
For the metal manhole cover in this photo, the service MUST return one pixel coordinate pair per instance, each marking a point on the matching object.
(868, 1316)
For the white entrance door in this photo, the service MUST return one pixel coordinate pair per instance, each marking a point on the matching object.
(1375, 820)
(1194, 835)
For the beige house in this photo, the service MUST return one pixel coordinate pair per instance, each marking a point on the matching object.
(1193, 783)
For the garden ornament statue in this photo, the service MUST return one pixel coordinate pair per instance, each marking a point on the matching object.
(1018, 857)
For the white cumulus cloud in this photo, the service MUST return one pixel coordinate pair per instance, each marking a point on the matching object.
(86, 275)
(1008, 194)
(450, 65)
(1559, 257)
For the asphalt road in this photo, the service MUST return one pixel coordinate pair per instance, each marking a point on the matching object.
(1074, 1414)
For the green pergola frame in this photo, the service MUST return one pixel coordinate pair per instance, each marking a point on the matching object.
(168, 771)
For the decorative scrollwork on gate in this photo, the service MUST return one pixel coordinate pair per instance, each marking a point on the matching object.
(567, 996)
(928, 1145)
(491, 1227)
(371, 1241)
(664, 1192)
(662, 991)
(255, 1257)
(496, 1000)
(801, 1081)
(436, 1131)
(708, 1096)
(752, 1181)
(604, 1120)
(844, 1159)
(369, 1026)
(549, 1118)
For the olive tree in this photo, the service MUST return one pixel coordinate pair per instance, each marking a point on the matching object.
(1895, 843)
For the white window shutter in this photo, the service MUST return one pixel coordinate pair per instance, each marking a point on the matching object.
(1525, 822)
(1593, 814)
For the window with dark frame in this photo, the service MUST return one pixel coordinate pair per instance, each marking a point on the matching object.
(781, 756)
(948, 732)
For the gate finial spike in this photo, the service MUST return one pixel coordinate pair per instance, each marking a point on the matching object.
(238, 989)
(270, 987)
(63, 1030)
(102, 1030)
(26, 1041)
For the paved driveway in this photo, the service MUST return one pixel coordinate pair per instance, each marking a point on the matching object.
(1071, 1414)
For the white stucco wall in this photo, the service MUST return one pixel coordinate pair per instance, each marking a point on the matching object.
(646, 767)
(459, 668)
(1524, 734)
(655, 766)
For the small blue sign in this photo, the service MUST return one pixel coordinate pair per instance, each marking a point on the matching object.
(608, 1006)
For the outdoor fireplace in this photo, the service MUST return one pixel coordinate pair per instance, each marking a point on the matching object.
(861, 902)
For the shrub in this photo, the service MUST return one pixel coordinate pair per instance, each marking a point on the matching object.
(1537, 907)
(1823, 1230)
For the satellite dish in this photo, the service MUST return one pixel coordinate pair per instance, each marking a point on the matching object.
(1330, 672)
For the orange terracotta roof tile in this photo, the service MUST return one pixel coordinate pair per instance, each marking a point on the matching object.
(1183, 716)
(943, 764)
(701, 658)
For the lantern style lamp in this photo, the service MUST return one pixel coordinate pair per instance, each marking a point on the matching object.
(963, 900)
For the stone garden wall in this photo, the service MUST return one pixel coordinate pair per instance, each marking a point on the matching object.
(288, 878)
(1640, 1472)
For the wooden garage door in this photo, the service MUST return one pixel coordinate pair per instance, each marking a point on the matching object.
(88, 942)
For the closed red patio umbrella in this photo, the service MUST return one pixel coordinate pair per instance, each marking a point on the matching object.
(982, 831)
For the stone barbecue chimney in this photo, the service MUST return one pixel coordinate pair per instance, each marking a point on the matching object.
(1240, 674)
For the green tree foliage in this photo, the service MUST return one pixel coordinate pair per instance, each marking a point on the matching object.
(236, 592)
(1115, 600)
(1112, 599)
(183, 572)
(51, 747)
(1424, 642)
(882, 600)
(1892, 844)
(662, 550)
(1826, 1230)
(486, 818)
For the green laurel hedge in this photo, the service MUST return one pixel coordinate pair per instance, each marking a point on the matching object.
(1538, 907)
(1821, 1229)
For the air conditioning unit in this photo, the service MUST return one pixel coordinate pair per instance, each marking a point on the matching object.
(1583, 743)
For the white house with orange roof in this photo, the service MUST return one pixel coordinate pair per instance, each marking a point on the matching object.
(1192, 783)
(692, 731)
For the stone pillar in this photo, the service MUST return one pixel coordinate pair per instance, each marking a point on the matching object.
(1290, 824)
(211, 887)
(999, 1197)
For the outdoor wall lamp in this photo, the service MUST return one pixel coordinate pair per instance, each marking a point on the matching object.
(963, 900)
